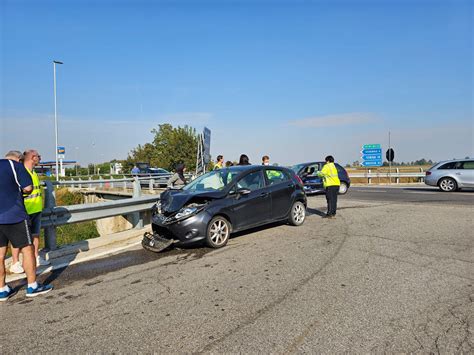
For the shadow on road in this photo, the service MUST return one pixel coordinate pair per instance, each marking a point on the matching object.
(313, 211)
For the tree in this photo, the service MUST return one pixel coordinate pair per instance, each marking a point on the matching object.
(170, 146)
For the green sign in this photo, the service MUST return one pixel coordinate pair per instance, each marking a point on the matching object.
(371, 146)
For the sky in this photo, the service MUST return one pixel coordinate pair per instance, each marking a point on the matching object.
(293, 79)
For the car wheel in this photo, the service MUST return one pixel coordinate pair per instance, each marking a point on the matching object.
(447, 184)
(297, 214)
(343, 188)
(218, 232)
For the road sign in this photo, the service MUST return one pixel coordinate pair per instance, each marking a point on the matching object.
(207, 145)
(390, 154)
(61, 152)
(372, 163)
(371, 146)
(372, 157)
(371, 151)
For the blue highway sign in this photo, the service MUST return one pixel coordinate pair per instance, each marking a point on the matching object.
(372, 157)
(371, 151)
(372, 163)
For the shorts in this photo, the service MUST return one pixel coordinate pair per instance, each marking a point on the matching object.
(18, 234)
(35, 224)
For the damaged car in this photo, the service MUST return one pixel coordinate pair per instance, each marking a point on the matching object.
(225, 201)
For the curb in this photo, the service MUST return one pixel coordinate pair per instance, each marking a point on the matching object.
(84, 251)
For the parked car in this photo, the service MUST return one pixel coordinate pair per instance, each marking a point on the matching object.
(229, 200)
(160, 176)
(314, 184)
(451, 175)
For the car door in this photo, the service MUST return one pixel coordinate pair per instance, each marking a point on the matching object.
(465, 173)
(310, 178)
(254, 208)
(281, 188)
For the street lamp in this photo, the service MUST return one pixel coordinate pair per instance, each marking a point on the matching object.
(56, 118)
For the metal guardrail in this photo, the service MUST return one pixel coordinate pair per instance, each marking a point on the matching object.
(151, 181)
(389, 175)
(54, 216)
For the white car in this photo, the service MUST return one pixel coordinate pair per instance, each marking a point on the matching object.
(451, 175)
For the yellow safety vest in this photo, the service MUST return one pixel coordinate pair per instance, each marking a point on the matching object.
(34, 201)
(330, 175)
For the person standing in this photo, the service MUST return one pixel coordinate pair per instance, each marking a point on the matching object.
(34, 207)
(244, 160)
(331, 184)
(14, 181)
(266, 160)
(219, 163)
(178, 180)
(135, 170)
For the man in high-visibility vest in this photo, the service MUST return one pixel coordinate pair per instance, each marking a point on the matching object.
(14, 182)
(34, 207)
(331, 184)
(219, 162)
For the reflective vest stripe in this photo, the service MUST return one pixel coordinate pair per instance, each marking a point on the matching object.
(31, 196)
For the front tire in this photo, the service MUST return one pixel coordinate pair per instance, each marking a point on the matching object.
(218, 232)
(343, 188)
(297, 214)
(447, 184)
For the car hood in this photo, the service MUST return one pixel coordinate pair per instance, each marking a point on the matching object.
(173, 200)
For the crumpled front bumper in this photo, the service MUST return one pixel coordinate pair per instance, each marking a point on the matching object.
(186, 231)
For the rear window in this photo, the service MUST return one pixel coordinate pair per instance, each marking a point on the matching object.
(468, 165)
(276, 176)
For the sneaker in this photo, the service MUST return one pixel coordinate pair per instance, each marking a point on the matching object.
(327, 216)
(40, 261)
(41, 289)
(6, 294)
(16, 268)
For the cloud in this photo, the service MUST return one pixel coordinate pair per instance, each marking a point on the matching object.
(344, 119)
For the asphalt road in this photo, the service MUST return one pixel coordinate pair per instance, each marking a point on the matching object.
(410, 194)
(384, 276)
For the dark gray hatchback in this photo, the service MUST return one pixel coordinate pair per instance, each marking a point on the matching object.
(224, 201)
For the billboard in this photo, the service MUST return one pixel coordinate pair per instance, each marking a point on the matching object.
(206, 138)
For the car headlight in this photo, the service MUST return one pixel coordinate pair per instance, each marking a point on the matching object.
(185, 212)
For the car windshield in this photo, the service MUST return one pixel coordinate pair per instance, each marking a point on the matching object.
(213, 181)
(296, 168)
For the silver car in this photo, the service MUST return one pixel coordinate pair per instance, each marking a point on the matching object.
(451, 175)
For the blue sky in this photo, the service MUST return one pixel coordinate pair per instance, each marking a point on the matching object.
(296, 80)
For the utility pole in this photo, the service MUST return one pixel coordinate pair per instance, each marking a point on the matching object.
(56, 118)
(389, 162)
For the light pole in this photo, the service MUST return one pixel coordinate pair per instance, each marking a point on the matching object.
(77, 148)
(56, 118)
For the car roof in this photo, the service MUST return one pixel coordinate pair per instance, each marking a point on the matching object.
(451, 161)
(316, 162)
(252, 167)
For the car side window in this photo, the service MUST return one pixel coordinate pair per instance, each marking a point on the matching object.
(451, 165)
(275, 176)
(311, 170)
(468, 165)
(252, 181)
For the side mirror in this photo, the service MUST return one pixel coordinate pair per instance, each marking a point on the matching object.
(243, 191)
(239, 192)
